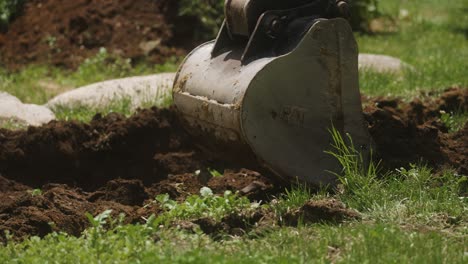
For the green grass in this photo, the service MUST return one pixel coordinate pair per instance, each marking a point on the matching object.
(432, 38)
(406, 196)
(315, 244)
(122, 106)
(454, 121)
(37, 83)
(199, 206)
(12, 124)
(86, 114)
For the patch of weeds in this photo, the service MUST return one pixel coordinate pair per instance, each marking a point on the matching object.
(123, 106)
(383, 243)
(416, 195)
(291, 199)
(78, 113)
(99, 220)
(25, 84)
(357, 177)
(411, 195)
(35, 192)
(454, 121)
(101, 65)
(96, 237)
(12, 124)
(51, 41)
(215, 173)
(199, 206)
(85, 114)
(161, 99)
(104, 66)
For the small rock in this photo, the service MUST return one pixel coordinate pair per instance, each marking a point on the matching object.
(11, 108)
(139, 90)
(382, 63)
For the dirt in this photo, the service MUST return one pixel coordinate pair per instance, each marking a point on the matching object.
(50, 176)
(255, 223)
(65, 33)
(328, 210)
(113, 163)
(412, 132)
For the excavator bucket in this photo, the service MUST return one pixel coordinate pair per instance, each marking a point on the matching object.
(278, 78)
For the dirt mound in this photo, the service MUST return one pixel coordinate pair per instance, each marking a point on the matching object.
(89, 155)
(329, 210)
(255, 222)
(412, 132)
(58, 172)
(64, 33)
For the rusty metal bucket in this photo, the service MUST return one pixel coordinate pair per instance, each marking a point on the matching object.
(277, 102)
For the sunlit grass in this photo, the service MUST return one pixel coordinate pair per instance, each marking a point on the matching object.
(37, 84)
(432, 37)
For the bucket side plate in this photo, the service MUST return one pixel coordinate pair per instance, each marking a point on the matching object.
(291, 104)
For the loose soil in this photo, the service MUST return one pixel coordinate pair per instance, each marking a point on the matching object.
(58, 172)
(412, 132)
(65, 33)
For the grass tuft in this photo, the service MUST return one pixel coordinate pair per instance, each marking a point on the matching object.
(411, 195)
(454, 121)
(205, 205)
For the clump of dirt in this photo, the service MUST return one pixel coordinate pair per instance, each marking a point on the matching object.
(57, 208)
(257, 221)
(250, 183)
(327, 210)
(126, 192)
(412, 132)
(122, 163)
(65, 33)
(236, 224)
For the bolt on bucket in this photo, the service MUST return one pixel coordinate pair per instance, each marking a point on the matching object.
(274, 91)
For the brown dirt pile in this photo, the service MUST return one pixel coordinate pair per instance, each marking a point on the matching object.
(260, 220)
(112, 163)
(64, 33)
(412, 132)
(123, 163)
(330, 210)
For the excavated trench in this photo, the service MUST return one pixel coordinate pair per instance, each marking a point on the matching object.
(122, 163)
